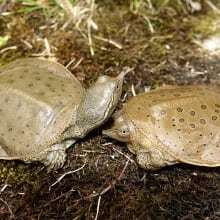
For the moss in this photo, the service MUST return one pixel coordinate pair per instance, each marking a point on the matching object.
(15, 173)
(205, 25)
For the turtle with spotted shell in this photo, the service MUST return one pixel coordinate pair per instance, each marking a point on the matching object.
(44, 109)
(171, 125)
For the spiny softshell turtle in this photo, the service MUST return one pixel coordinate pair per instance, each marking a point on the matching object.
(44, 109)
(171, 125)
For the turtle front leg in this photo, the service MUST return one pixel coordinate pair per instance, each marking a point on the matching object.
(154, 159)
(55, 158)
(56, 155)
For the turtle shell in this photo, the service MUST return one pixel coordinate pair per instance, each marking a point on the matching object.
(38, 101)
(183, 121)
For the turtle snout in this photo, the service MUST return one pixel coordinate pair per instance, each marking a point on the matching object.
(108, 133)
(124, 72)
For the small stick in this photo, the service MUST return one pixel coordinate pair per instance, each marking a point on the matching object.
(107, 144)
(126, 156)
(90, 40)
(27, 44)
(3, 188)
(9, 209)
(117, 179)
(78, 63)
(133, 90)
(47, 47)
(67, 173)
(124, 97)
(8, 48)
(150, 6)
(123, 171)
(110, 185)
(93, 151)
(70, 63)
(119, 46)
(98, 205)
(46, 52)
(212, 6)
(151, 28)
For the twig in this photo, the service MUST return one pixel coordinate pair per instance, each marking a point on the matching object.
(46, 52)
(9, 209)
(212, 6)
(67, 6)
(107, 144)
(119, 46)
(67, 173)
(3, 188)
(27, 44)
(105, 190)
(97, 210)
(126, 156)
(6, 13)
(150, 5)
(78, 63)
(151, 28)
(47, 47)
(90, 40)
(80, 155)
(124, 97)
(117, 179)
(91, 24)
(123, 171)
(8, 48)
(118, 151)
(133, 90)
(57, 198)
(80, 14)
(93, 151)
(70, 63)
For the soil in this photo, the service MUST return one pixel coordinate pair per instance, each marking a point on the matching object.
(109, 183)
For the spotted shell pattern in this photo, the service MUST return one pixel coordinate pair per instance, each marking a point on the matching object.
(37, 100)
(185, 121)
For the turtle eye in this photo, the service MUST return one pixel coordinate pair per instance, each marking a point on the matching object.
(124, 132)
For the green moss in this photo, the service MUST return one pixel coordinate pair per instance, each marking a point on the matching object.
(17, 173)
(205, 25)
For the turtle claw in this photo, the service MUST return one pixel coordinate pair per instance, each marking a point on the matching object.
(55, 159)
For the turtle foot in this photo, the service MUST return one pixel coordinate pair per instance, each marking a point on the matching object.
(55, 158)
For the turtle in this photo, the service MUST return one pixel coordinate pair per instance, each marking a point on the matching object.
(44, 109)
(170, 125)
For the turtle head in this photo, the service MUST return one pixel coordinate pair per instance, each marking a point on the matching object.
(98, 103)
(120, 130)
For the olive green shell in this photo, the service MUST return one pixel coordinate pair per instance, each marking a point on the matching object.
(38, 100)
(183, 121)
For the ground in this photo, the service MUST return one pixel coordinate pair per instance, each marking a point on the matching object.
(162, 47)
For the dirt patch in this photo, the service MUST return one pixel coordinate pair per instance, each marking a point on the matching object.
(167, 56)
